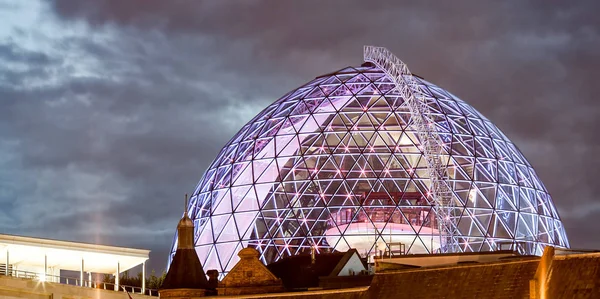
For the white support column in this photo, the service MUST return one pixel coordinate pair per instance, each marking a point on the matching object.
(144, 278)
(81, 274)
(90, 279)
(117, 277)
(45, 267)
(7, 262)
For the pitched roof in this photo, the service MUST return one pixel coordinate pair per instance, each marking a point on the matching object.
(185, 272)
(487, 280)
(298, 271)
(343, 261)
(575, 276)
(249, 262)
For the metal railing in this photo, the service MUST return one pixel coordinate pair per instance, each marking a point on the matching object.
(415, 216)
(73, 281)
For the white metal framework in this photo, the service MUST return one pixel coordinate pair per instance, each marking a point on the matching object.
(342, 162)
(431, 144)
(44, 259)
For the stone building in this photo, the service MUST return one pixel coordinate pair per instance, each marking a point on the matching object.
(249, 276)
(559, 273)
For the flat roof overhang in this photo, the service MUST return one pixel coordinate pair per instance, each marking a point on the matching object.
(446, 259)
(66, 255)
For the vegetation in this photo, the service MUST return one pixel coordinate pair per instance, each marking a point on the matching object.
(152, 281)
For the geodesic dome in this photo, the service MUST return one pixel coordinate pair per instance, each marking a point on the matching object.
(337, 164)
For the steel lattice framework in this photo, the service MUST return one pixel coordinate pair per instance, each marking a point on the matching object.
(431, 144)
(341, 162)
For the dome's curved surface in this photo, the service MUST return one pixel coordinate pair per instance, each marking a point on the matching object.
(336, 164)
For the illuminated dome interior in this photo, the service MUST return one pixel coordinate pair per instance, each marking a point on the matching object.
(337, 164)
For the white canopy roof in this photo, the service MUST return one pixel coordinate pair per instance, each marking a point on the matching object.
(65, 255)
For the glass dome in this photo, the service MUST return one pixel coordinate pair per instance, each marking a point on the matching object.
(336, 164)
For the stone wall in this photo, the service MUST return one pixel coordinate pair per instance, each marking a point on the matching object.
(342, 282)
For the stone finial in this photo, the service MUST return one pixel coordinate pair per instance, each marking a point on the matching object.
(248, 253)
(213, 282)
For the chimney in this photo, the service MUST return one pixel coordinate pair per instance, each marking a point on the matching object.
(539, 284)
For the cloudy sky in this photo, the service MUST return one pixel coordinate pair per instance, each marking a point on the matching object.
(111, 110)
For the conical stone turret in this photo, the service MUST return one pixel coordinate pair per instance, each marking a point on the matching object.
(186, 277)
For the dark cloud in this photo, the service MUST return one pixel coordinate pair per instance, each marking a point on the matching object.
(102, 131)
(11, 52)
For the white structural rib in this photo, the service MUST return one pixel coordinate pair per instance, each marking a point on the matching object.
(431, 144)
